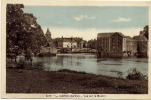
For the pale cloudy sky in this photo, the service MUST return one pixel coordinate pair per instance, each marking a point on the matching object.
(87, 21)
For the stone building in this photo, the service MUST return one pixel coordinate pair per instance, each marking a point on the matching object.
(131, 47)
(49, 47)
(115, 44)
(142, 46)
(111, 44)
(103, 44)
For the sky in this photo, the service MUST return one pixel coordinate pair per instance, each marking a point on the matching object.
(88, 21)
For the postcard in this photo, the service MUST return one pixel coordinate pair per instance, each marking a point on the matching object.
(76, 49)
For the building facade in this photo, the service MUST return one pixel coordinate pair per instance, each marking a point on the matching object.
(111, 44)
(72, 42)
(131, 47)
(103, 44)
(142, 46)
(115, 44)
(66, 43)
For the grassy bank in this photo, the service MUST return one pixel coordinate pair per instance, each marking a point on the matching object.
(65, 81)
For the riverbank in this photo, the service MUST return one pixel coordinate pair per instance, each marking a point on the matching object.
(65, 81)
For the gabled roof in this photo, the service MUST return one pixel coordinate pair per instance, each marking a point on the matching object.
(108, 34)
(140, 38)
(128, 38)
(121, 34)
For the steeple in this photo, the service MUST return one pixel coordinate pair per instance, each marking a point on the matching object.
(48, 32)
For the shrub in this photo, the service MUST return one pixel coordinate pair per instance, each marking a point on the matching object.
(120, 75)
(134, 74)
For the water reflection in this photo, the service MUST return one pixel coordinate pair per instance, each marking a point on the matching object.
(91, 64)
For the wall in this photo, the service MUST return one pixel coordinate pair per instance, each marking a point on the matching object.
(103, 46)
(69, 44)
(142, 48)
(116, 45)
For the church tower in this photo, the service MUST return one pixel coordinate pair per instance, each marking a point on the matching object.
(48, 34)
(48, 37)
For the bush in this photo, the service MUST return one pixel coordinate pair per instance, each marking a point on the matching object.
(21, 62)
(134, 74)
(46, 54)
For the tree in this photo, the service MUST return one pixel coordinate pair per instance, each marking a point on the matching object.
(22, 30)
(145, 31)
(14, 14)
(92, 44)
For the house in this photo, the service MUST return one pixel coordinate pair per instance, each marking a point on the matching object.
(70, 42)
(67, 43)
(142, 46)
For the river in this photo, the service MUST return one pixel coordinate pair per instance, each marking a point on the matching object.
(89, 63)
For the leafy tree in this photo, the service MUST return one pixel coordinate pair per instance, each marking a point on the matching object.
(92, 44)
(14, 15)
(145, 31)
(22, 30)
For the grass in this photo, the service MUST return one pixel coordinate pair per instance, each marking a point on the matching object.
(66, 81)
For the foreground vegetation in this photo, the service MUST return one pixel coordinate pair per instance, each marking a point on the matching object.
(65, 81)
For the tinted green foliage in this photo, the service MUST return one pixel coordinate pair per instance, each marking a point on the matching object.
(92, 44)
(134, 74)
(22, 30)
(146, 29)
(145, 32)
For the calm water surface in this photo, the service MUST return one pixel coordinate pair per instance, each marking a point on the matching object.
(91, 64)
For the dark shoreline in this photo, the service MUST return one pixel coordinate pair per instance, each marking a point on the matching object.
(66, 81)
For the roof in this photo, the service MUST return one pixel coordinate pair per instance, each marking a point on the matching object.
(121, 34)
(66, 39)
(48, 32)
(108, 34)
(128, 38)
(140, 38)
(69, 39)
(104, 35)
